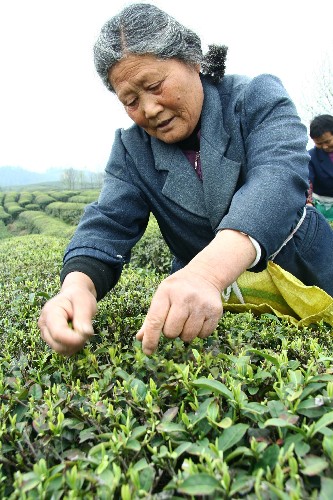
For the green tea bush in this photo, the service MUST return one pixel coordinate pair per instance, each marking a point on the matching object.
(13, 208)
(151, 252)
(42, 199)
(86, 197)
(10, 196)
(4, 216)
(67, 211)
(4, 233)
(62, 195)
(40, 223)
(245, 413)
(25, 198)
(31, 206)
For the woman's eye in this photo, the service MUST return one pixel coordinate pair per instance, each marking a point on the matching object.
(131, 103)
(155, 86)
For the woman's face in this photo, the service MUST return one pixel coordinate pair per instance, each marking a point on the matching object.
(163, 96)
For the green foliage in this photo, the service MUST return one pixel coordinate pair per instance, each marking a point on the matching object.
(4, 216)
(58, 206)
(13, 208)
(10, 196)
(4, 233)
(151, 252)
(69, 212)
(245, 413)
(42, 199)
(87, 196)
(31, 206)
(25, 198)
(40, 223)
(62, 195)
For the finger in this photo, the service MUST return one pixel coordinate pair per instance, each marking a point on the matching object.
(202, 322)
(153, 324)
(192, 328)
(57, 323)
(208, 327)
(139, 335)
(61, 338)
(197, 326)
(62, 349)
(149, 334)
(175, 321)
(83, 312)
(56, 331)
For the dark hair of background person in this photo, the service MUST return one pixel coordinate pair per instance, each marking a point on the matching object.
(320, 125)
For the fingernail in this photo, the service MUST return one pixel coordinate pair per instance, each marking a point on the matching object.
(146, 351)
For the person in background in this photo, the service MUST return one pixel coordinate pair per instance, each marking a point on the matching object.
(321, 165)
(212, 157)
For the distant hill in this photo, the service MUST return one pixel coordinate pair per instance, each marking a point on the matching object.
(17, 177)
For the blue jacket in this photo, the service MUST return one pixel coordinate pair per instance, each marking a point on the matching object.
(321, 172)
(255, 178)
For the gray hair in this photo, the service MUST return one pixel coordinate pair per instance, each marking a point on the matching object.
(145, 29)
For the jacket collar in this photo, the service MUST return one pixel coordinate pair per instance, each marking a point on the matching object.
(211, 197)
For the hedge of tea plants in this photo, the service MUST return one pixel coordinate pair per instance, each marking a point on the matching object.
(53, 212)
(246, 413)
(56, 212)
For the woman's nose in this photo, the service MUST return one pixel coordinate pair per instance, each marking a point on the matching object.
(151, 107)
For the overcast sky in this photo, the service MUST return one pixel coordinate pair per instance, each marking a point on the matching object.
(55, 111)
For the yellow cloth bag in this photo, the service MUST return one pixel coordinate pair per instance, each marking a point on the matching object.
(275, 290)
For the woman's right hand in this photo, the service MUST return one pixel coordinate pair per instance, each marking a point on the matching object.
(76, 304)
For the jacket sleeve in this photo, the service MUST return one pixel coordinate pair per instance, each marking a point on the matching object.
(110, 227)
(102, 275)
(275, 179)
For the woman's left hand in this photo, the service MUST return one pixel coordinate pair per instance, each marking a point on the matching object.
(188, 303)
(185, 305)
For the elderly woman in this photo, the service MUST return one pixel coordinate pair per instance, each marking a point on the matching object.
(219, 160)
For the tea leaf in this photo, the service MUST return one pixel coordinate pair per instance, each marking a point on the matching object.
(326, 489)
(214, 386)
(268, 357)
(314, 465)
(170, 427)
(199, 484)
(232, 436)
(280, 422)
(35, 391)
(170, 414)
(323, 422)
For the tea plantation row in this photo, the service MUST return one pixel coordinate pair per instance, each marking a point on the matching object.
(246, 413)
(54, 213)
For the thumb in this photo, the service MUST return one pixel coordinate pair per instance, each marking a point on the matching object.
(83, 327)
(84, 310)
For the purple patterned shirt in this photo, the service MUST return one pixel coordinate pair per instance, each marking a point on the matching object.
(194, 158)
(191, 149)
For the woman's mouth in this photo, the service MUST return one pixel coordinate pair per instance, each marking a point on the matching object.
(164, 124)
